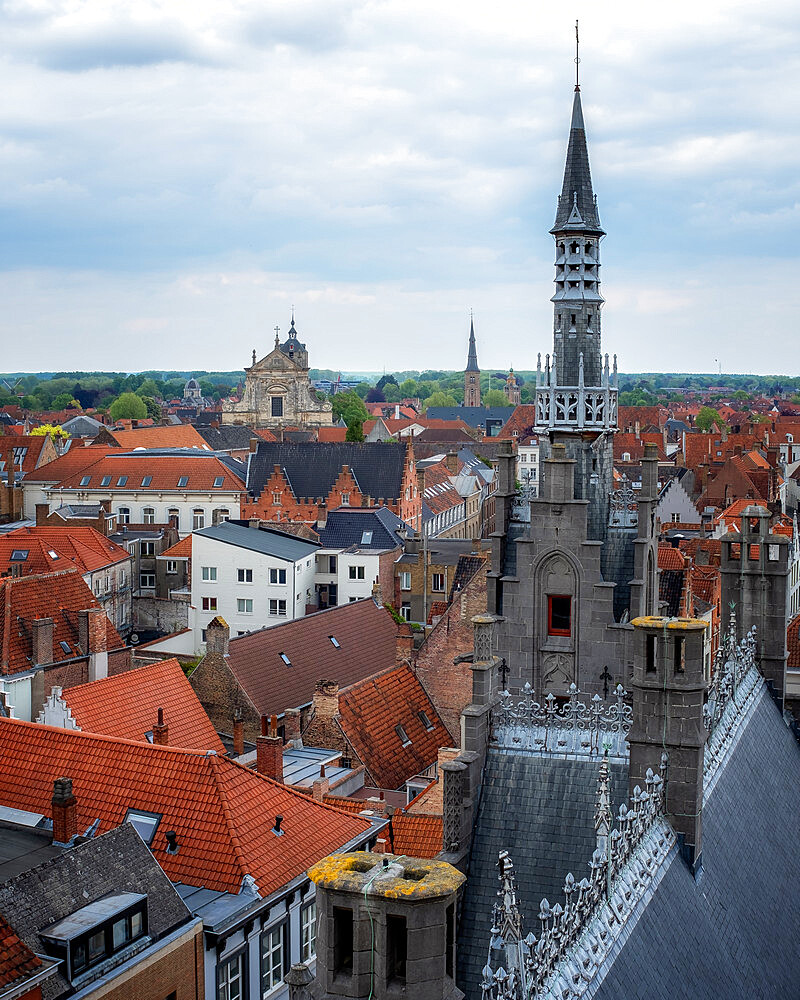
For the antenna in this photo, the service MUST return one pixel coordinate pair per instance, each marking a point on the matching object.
(577, 58)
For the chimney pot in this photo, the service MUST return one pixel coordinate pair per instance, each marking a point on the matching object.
(238, 734)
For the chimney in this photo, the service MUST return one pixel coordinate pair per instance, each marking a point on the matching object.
(254, 444)
(238, 733)
(321, 785)
(65, 811)
(404, 646)
(322, 514)
(254, 522)
(649, 489)
(161, 730)
(42, 641)
(325, 701)
(377, 593)
(291, 727)
(396, 411)
(668, 735)
(451, 461)
(92, 636)
(218, 636)
(42, 513)
(269, 750)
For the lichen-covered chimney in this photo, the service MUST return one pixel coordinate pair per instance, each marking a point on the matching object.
(269, 750)
(65, 811)
(218, 636)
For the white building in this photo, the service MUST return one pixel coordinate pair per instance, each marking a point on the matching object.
(528, 463)
(253, 577)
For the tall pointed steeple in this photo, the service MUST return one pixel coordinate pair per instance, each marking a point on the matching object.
(577, 204)
(472, 374)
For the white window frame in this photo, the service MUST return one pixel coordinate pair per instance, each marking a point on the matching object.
(148, 515)
(274, 938)
(231, 986)
(147, 586)
(244, 605)
(172, 565)
(244, 575)
(275, 607)
(357, 573)
(308, 931)
(198, 518)
(275, 577)
(405, 581)
(436, 577)
(209, 574)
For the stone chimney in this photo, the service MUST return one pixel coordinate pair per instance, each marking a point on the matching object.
(238, 733)
(558, 476)
(650, 472)
(325, 703)
(161, 730)
(321, 785)
(93, 638)
(452, 463)
(65, 811)
(668, 735)
(218, 636)
(322, 514)
(377, 594)
(42, 641)
(254, 444)
(269, 750)
(291, 725)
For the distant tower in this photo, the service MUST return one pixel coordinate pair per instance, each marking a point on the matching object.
(472, 374)
(512, 390)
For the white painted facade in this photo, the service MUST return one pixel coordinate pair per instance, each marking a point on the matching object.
(355, 572)
(528, 464)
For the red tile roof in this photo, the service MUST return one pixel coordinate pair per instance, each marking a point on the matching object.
(171, 436)
(521, 421)
(71, 462)
(164, 470)
(370, 711)
(670, 558)
(645, 416)
(45, 595)
(222, 813)
(180, 550)
(367, 643)
(84, 548)
(331, 433)
(32, 443)
(126, 705)
(17, 961)
(416, 835)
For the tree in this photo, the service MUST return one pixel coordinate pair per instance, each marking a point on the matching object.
(385, 380)
(707, 417)
(153, 408)
(494, 397)
(64, 400)
(439, 398)
(148, 388)
(408, 388)
(128, 405)
(376, 396)
(355, 431)
(52, 430)
(348, 406)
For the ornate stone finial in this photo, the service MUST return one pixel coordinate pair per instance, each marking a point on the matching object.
(254, 356)
(580, 369)
(602, 813)
(277, 331)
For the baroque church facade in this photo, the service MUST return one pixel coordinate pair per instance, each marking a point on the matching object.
(277, 391)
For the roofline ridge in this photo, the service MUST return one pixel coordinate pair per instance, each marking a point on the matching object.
(125, 673)
(376, 676)
(83, 734)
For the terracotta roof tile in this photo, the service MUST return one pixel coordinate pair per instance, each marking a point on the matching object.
(17, 961)
(520, 424)
(793, 643)
(32, 443)
(670, 558)
(180, 550)
(172, 436)
(164, 472)
(84, 548)
(416, 835)
(221, 812)
(77, 459)
(126, 705)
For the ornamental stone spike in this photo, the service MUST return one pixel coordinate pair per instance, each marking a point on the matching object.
(602, 814)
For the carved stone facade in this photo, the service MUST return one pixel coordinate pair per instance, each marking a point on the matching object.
(277, 391)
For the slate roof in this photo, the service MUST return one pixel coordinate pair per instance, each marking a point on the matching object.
(17, 961)
(268, 543)
(228, 438)
(577, 187)
(541, 810)
(367, 643)
(126, 705)
(116, 862)
(82, 547)
(346, 526)
(475, 416)
(368, 714)
(82, 426)
(312, 468)
(44, 595)
(219, 809)
(670, 588)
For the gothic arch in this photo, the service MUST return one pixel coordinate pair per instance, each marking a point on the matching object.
(555, 574)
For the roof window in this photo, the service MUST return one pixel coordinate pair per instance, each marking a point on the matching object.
(122, 480)
(218, 481)
(19, 555)
(403, 735)
(147, 480)
(85, 480)
(426, 722)
(105, 481)
(65, 647)
(52, 553)
(366, 537)
(285, 659)
(183, 481)
(144, 823)
(335, 642)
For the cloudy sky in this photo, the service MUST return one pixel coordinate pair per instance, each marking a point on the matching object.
(176, 174)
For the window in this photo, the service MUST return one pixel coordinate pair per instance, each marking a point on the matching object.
(277, 406)
(174, 517)
(221, 514)
(285, 658)
(65, 648)
(147, 581)
(183, 482)
(244, 575)
(437, 582)
(105, 481)
(124, 515)
(198, 518)
(209, 574)
(122, 481)
(277, 608)
(108, 584)
(559, 615)
(172, 566)
(345, 499)
(277, 576)
(146, 480)
(144, 823)
(425, 720)
(678, 656)
(331, 564)
(148, 515)
(244, 605)
(209, 604)
(230, 978)
(405, 611)
(147, 548)
(396, 948)
(356, 572)
(19, 555)
(405, 581)
(403, 735)
(676, 518)
(276, 498)
(366, 537)
(122, 578)
(218, 481)
(85, 480)
(342, 941)
(308, 931)
(272, 958)
(335, 642)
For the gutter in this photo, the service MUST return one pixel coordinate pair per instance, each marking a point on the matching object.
(49, 968)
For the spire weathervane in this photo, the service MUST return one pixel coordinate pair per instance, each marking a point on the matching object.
(577, 59)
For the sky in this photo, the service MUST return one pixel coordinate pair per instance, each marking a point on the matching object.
(175, 176)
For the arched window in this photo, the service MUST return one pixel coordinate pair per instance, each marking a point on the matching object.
(198, 518)
(221, 514)
(148, 515)
(124, 515)
(174, 517)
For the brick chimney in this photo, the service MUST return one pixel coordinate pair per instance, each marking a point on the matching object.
(238, 733)
(404, 645)
(92, 636)
(42, 513)
(322, 514)
(42, 641)
(269, 750)
(65, 811)
(254, 443)
(161, 730)
(321, 785)
(451, 461)
(218, 636)
(291, 725)
(325, 702)
(377, 594)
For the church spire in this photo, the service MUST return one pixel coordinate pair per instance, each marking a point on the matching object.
(577, 205)
(472, 356)
(472, 374)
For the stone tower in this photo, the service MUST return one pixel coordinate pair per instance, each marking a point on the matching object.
(512, 389)
(472, 374)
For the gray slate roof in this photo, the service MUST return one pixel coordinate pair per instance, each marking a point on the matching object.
(346, 527)
(263, 540)
(233, 438)
(474, 416)
(577, 186)
(312, 468)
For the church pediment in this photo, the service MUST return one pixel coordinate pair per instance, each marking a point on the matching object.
(275, 361)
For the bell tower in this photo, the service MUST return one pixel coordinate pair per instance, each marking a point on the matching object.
(472, 374)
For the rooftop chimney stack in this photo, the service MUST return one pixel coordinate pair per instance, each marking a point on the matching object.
(238, 733)
(269, 750)
(65, 811)
(321, 785)
(93, 638)
(322, 514)
(161, 730)
(42, 641)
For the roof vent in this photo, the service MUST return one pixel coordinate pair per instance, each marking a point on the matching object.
(172, 842)
(277, 828)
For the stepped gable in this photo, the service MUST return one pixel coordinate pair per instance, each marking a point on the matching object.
(222, 812)
(312, 469)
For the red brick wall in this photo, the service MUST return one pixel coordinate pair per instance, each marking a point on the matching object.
(178, 970)
(448, 684)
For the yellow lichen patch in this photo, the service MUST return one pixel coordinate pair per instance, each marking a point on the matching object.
(679, 624)
(360, 870)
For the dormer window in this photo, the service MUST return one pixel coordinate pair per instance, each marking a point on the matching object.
(218, 481)
(19, 555)
(425, 720)
(366, 537)
(144, 823)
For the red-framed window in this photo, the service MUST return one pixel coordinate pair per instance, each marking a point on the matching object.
(559, 614)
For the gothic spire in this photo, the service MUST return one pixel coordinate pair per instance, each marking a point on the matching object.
(577, 206)
(472, 357)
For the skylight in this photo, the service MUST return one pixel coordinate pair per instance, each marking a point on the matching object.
(19, 555)
(285, 659)
(219, 480)
(426, 722)
(147, 480)
(144, 823)
(122, 480)
(183, 481)
(52, 553)
(65, 647)
(85, 480)
(105, 481)
(366, 537)
(335, 642)
(403, 735)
